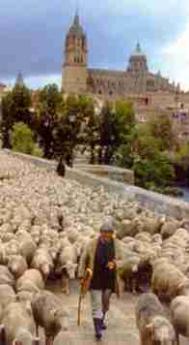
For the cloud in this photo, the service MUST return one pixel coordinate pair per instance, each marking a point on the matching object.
(32, 34)
(176, 59)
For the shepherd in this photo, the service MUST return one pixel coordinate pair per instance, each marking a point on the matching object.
(102, 257)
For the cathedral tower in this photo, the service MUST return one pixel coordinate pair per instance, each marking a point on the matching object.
(75, 62)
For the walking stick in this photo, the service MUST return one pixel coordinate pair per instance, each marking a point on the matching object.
(83, 290)
(79, 308)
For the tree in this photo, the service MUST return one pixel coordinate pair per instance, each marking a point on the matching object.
(89, 126)
(7, 120)
(22, 139)
(21, 103)
(180, 160)
(15, 108)
(161, 127)
(153, 168)
(106, 134)
(154, 173)
(49, 108)
(116, 125)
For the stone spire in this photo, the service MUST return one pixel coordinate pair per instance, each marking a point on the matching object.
(76, 28)
(76, 44)
(19, 80)
(76, 22)
(138, 48)
(75, 59)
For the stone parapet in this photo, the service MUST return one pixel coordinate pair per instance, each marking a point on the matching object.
(112, 172)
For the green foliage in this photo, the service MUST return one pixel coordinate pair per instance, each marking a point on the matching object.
(153, 172)
(161, 127)
(50, 101)
(152, 167)
(181, 158)
(21, 103)
(49, 110)
(114, 130)
(15, 107)
(22, 140)
(124, 120)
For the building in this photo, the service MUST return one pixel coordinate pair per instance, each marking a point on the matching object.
(136, 80)
(151, 94)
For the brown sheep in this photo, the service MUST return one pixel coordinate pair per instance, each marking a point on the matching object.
(49, 314)
(153, 326)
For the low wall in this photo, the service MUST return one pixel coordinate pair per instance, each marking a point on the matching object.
(154, 201)
(111, 172)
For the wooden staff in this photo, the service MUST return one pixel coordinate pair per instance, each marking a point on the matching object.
(83, 290)
(2, 335)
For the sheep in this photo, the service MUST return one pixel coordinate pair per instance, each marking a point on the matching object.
(31, 281)
(6, 276)
(17, 265)
(128, 271)
(167, 280)
(153, 326)
(42, 261)
(27, 248)
(66, 266)
(19, 324)
(7, 295)
(49, 314)
(180, 315)
(169, 228)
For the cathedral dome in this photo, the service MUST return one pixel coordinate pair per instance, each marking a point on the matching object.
(138, 61)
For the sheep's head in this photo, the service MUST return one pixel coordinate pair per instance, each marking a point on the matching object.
(23, 337)
(61, 316)
(161, 332)
(70, 268)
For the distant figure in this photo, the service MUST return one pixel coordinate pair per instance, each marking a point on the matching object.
(102, 257)
(61, 170)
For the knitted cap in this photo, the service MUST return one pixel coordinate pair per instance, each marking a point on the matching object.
(107, 225)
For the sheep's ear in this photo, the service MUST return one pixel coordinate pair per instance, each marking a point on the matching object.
(16, 342)
(149, 327)
(29, 308)
(53, 312)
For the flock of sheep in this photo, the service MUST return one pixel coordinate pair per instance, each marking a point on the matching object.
(46, 221)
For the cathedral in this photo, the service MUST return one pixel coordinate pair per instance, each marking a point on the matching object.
(136, 80)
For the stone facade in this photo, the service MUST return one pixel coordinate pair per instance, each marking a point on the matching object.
(151, 94)
(107, 84)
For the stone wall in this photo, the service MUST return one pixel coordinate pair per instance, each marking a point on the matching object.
(111, 172)
(154, 201)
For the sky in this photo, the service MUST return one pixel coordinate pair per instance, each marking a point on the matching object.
(32, 34)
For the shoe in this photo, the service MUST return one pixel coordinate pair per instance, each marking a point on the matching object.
(98, 328)
(103, 325)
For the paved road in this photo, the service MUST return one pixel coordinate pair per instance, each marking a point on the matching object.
(121, 320)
